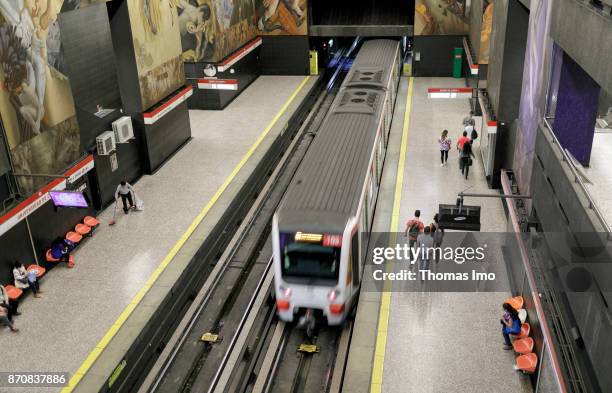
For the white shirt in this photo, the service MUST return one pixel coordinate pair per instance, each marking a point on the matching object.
(469, 129)
(123, 190)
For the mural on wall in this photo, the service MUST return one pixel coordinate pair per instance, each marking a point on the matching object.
(157, 47)
(276, 17)
(36, 101)
(213, 29)
(70, 5)
(485, 32)
(441, 17)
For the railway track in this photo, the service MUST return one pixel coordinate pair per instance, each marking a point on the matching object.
(218, 345)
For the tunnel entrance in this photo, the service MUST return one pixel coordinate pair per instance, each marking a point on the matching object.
(343, 18)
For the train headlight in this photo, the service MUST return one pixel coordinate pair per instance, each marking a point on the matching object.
(333, 295)
(286, 292)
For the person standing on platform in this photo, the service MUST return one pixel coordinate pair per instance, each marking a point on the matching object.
(10, 305)
(125, 190)
(445, 143)
(413, 228)
(4, 319)
(511, 324)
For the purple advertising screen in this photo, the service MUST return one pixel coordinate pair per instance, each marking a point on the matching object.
(68, 199)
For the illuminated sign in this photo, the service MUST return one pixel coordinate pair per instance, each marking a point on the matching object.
(308, 237)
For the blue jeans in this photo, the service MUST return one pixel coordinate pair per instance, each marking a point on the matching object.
(34, 286)
(506, 332)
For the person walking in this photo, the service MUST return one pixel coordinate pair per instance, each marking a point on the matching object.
(425, 244)
(445, 143)
(469, 120)
(437, 233)
(414, 226)
(462, 140)
(465, 158)
(125, 190)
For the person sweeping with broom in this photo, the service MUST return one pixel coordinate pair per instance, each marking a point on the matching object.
(125, 190)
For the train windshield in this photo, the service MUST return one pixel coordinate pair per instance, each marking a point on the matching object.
(309, 259)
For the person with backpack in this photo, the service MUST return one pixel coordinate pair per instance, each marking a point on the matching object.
(511, 324)
(445, 143)
(437, 233)
(473, 136)
(465, 159)
(413, 228)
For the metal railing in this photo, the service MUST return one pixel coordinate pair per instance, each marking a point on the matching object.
(578, 179)
(547, 346)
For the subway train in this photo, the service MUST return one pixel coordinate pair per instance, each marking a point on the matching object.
(321, 228)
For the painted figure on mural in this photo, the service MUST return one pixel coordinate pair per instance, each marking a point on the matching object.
(269, 20)
(485, 32)
(197, 28)
(440, 17)
(36, 101)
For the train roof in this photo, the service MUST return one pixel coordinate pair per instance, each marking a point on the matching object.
(326, 189)
(372, 65)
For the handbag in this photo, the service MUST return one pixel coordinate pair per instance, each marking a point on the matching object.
(470, 161)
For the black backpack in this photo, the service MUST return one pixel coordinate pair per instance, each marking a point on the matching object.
(474, 135)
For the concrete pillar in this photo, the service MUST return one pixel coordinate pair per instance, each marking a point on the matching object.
(577, 101)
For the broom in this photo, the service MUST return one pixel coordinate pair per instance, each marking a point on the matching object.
(113, 221)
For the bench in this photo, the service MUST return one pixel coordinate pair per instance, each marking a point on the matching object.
(50, 258)
(13, 292)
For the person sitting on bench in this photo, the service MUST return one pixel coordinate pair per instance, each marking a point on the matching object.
(10, 305)
(511, 324)
(4, 320)
(24, 280)
(60, 249)
(125, 189)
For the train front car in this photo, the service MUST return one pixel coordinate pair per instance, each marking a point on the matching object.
(322, 227)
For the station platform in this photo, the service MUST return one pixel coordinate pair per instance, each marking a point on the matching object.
(424, 341)
(82, 309)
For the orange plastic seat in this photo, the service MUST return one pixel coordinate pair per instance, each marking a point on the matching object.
(82, 229)
(527, 363)
(525, 330)
(49, 257)
(74, 237)
(40, 271)
(516, 302)
(13, 292)
(523, 346)
(91, 221)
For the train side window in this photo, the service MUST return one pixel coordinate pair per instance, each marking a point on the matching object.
(355, 260)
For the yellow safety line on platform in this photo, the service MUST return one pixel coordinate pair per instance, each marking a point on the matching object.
(95, 353)
(385, 301)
